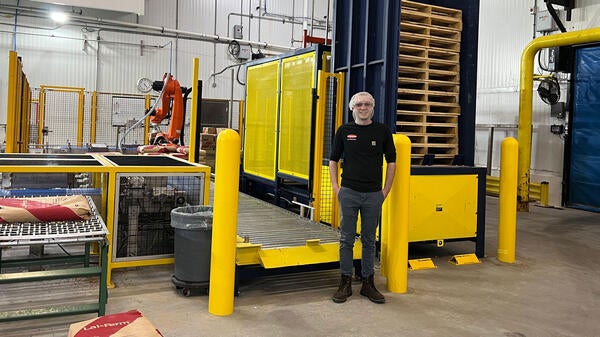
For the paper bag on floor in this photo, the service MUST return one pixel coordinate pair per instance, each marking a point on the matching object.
(126, 324)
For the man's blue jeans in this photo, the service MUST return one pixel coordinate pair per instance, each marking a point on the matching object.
(369, 205)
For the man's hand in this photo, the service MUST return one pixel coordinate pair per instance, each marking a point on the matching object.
(333, 174)
(336, 190)
(385, 193)
(389, 179)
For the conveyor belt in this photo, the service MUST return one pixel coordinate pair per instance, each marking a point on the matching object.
(274, 227)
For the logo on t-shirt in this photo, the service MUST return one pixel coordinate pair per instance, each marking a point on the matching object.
(351, 137)
(373, 143)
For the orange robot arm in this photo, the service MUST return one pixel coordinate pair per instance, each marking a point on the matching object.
(173, 93)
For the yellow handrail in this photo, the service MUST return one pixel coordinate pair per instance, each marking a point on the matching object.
(526, 100)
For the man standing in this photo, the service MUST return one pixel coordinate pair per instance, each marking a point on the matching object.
(362, 144)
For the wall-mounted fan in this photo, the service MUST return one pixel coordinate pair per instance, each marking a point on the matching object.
(549, 90)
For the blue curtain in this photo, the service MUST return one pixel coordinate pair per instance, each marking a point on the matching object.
(584, 179)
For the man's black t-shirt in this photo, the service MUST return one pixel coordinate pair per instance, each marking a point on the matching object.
(362, 148)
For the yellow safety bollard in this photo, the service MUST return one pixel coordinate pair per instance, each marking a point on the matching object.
(225, 213)
(397, 219)
(507, 213)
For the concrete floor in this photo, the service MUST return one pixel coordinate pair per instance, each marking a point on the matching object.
(552, 290)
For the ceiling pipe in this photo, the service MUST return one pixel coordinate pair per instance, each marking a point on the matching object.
(305, 23)
(153, 30)
(182, 34)
(282, 20)
(214, 83)
(312, 19)
(327, 20)
(121, 43)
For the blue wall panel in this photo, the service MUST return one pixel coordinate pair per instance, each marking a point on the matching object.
(366, 40)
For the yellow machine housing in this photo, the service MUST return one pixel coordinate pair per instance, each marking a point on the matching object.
(447, 203)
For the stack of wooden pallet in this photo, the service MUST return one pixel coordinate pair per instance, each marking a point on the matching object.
(428, 80)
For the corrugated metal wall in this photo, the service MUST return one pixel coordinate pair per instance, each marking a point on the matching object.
(506, 27)
(112, 61)
(498, 67)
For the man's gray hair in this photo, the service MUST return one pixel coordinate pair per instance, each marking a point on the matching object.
(353, 102)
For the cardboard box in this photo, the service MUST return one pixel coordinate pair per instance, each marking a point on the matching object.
(220, 129)
(208, 142)
(126, 324)
(209, 130)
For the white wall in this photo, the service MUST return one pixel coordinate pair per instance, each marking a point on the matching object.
(505, 28)
(132, 6)
(59, 55)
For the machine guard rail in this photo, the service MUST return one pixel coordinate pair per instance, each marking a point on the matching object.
(537, 191)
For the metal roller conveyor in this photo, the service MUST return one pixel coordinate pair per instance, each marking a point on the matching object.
(69, 267)
(272, 226)
(26, 233)
(273, 237)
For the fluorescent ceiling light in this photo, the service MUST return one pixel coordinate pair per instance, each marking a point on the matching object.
(129, 6)
(59, 17)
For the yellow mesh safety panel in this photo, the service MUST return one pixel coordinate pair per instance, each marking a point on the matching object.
(25, 116)
(327, 196)
(260, 131)
(297, 82)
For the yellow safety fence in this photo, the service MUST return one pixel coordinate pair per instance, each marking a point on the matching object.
(18, 106)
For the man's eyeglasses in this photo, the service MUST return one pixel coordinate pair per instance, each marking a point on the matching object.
(359, 104)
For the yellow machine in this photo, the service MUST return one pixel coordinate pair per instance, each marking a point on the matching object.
(285, 150)
(290, 117)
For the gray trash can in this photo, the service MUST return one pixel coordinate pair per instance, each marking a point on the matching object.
(193, 236)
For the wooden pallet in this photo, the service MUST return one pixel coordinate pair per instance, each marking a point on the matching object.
(435, 37)
(429, 80)
(431, 15)
(430, 96)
